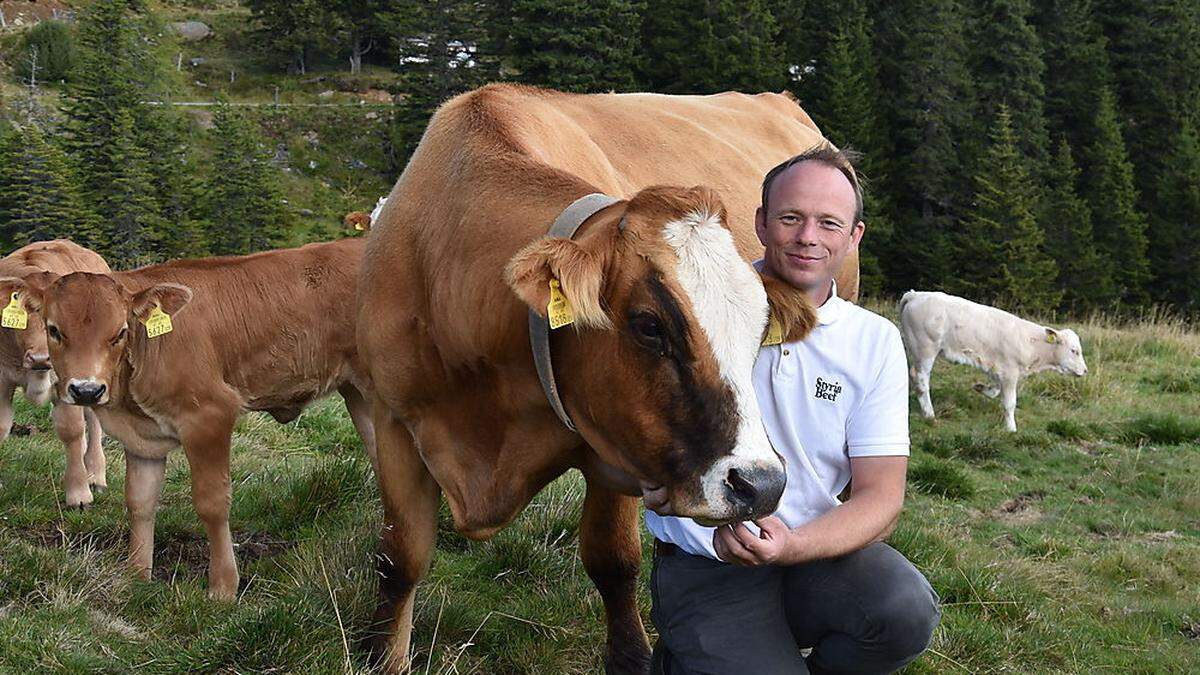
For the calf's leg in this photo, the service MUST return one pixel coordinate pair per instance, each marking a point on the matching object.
(360, 415)
(6, 409)
(93, 459)
(143, 486)
(611, 549)
(69, 426)
(410, 502)
(206, 440)
(1008, 394)
(920, 377)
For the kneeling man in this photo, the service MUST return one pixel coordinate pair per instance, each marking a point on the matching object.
(747, 598)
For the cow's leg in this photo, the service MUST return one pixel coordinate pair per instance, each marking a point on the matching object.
(1008, 394)
(410, 502)
(206, 440)
(7, 389)
(360, 415)
(69, 426)
(920, 377)
(612, 553)
(94, 459)
(143, 486)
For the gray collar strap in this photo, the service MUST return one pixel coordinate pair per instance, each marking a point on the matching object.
(564, 226)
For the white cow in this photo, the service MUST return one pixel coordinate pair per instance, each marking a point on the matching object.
(1004, 346)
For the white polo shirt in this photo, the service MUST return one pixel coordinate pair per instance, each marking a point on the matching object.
(842, 392)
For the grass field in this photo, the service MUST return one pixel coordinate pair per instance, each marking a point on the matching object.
(1071, 546)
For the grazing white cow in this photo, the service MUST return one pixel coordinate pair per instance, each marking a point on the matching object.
(1004, 346)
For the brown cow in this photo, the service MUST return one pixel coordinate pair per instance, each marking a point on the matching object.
(655, 374)
(272, 331)
(25, 362)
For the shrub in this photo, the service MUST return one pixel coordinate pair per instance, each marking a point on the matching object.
(55, 48)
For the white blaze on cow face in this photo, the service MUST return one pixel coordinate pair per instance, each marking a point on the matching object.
(730, 305)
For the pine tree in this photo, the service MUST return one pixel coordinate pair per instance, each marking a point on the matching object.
(362, 29)
(840, 92)
(1001, 252)
(1084, 275)
(105, 117)
(175, 184)
(244, 204)
(295, 31)
(1109, 190)
(39, 196)
(930, 116)
(576, 45)
(1008, 70)
(1077, 67)
(707, 46)
(1177, 270)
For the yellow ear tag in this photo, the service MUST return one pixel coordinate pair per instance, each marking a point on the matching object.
(1051, 338)
(559, 310)
(158, 323)
(359, 226)
(774, 332)
(14, 315)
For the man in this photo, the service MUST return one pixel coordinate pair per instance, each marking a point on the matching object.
(746, 598)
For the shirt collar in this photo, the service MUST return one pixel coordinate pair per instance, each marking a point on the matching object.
(826, 313)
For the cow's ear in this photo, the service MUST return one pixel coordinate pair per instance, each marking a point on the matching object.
(170, 297)
(791, 308)
(1052, 336)
(30, 289)
(579, 273)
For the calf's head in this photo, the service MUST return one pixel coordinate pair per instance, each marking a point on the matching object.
(1068, 351)
(656, 370)
(31, 346)
(88, 322)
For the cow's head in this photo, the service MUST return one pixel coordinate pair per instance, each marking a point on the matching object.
(88, 319)
(656, 372)
(31, 345)
(1068, 351)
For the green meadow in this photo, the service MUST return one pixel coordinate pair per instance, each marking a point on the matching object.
(1071, 546)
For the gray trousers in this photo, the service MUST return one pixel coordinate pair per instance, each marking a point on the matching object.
(868, 612)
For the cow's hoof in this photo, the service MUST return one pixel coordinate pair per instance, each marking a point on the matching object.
(98, 489)
(79, 499)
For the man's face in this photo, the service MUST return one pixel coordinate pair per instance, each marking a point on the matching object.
(808, 227)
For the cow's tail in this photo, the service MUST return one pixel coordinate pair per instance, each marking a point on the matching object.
(904, 300)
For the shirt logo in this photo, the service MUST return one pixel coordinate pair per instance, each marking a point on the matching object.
(828, 390)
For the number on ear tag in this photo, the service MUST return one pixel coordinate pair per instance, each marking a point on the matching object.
(158, 323)
(14, 316)
(559, 311)
(774, 332)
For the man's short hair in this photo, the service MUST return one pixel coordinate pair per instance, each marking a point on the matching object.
(842, 160)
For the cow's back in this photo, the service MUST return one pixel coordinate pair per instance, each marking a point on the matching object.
(277, 327)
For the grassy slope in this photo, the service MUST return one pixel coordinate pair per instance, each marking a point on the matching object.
(1071, 546)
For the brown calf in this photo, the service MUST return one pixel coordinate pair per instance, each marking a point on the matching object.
(25, 363)
(272, 331)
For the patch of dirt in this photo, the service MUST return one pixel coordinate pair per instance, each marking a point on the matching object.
(187, 555)
(51, 535)
(23, 429)
(1159, 537)
(1022, 509)
(1190, 629)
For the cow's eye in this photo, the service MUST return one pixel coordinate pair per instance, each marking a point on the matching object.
(52, 331)
(648, 331)
(120, 336)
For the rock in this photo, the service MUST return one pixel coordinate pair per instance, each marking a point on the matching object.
(312, 163)
(312, 138)
(325, 94)
(281, 157)
(356, 164)
(307, 213)
(376, 96)
(372, 115)
(197, 61)
(191, 31)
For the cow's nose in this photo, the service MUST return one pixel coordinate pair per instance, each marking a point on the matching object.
(37, 361)
(755, 490)
(86, 393)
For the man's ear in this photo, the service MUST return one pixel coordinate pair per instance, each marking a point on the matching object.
(580, 274)
(30, 289)
(791, 308)
(170, 297)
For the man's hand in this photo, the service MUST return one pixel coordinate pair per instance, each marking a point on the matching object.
(737, 544)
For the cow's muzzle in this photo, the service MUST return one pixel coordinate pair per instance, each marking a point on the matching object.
(85, 393)
(754, 492)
